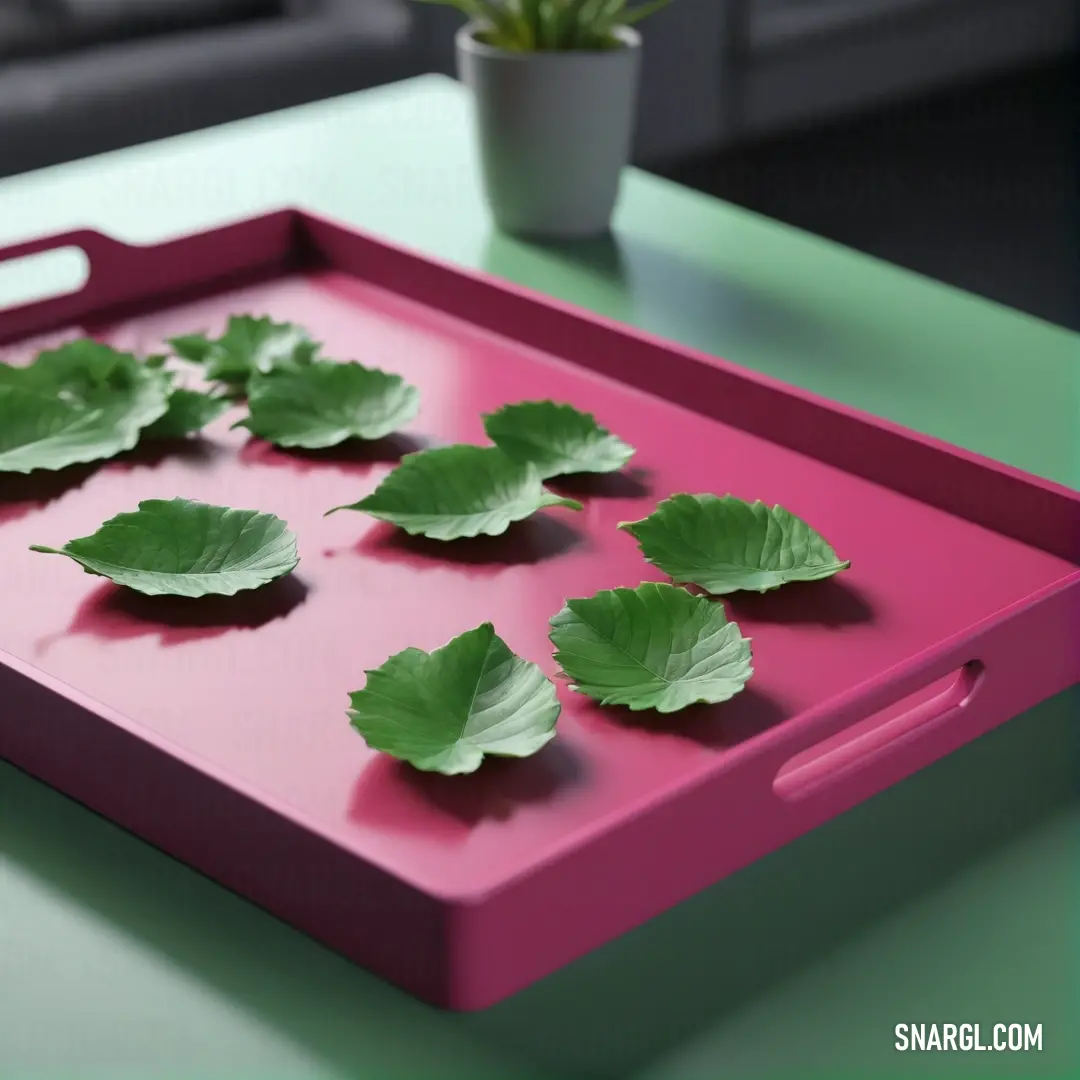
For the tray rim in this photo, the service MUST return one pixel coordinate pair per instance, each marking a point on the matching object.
(293, 240)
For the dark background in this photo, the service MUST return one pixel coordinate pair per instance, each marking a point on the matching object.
(975, 185)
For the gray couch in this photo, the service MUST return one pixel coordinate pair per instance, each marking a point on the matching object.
(79, 77)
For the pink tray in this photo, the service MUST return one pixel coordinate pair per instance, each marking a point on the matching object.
(218, 731)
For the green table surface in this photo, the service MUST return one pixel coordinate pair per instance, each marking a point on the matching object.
(953, 897)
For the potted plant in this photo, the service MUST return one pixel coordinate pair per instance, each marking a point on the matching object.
(555, 87)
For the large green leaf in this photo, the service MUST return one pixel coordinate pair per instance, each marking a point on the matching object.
(458, 491)
(85, 373)
(325, 403)
(725, 544)
(80, 403)
(42, 432)
(653, 647)
(557, 439)
(184, 548)
(443, 711)
(189, 412)
(249, 345)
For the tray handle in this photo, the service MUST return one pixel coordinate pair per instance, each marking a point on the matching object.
(878, 732)
(121, 274)
(112, 265)
(893, 725)
(94, 244)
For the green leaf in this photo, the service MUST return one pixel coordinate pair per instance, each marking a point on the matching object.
(189, 412)
(725, 544)
(458, 491)
(546, 25)
(42, 432)
(609, 13)
(249, 345)
(557, 439)
(80, 403)
(443, 711)
(529, 13)
(84, 372)
(533, 25)
(325, 403)
(653, 647)
(195, 348)
(642, 11)
(571, 33)
(511, 28)
(184, 548)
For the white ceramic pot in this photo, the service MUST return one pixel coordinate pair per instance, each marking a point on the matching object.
(555, 132)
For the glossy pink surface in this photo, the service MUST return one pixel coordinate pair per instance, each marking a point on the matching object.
(267, 702)
(256, 688)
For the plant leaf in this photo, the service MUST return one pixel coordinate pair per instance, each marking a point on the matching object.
(565, 19)
(195, 348)
(726, 545)
(653, 647)
(179, 547)
(80, 403)
(443, 711)
(189, 412)
(511, 28)
(642, 11)
(533, 25)
(557, 439)
(84, 373)
(458, 491)
(325, 403)
(609, 13)
(42, 432)
(249, 345)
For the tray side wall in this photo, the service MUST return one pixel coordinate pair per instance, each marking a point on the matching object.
(528, 920)
(242, 844)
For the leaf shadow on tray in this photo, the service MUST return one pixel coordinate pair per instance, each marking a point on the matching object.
(20, 493)
(392, 795)
(831, 603)
(719, 727)
(627, 484)
(193, 450)
(355, 455)
(114, 613)
(525, 543)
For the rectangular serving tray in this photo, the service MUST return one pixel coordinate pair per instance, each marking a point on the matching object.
(217, 730)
